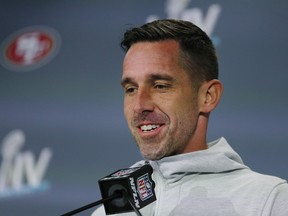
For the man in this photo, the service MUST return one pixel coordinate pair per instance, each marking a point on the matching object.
(170, 79)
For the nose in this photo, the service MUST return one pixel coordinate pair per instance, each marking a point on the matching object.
(143, 101)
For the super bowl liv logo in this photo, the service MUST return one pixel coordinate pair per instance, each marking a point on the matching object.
(20, 172)
(178, 9)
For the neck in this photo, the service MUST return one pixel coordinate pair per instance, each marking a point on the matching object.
(198, 141)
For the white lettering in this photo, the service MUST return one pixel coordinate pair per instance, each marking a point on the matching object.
(17, 165)
(197, 16)
(177, 9)
(36, 170)
(135, 196)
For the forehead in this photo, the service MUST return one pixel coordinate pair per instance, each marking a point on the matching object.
(151, 57)
(159, 50)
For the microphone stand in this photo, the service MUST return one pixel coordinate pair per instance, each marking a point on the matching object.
(118, 194)
(131, 203)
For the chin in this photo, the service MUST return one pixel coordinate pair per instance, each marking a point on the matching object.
(152, 156)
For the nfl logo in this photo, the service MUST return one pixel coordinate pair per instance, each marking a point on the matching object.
(144, 187)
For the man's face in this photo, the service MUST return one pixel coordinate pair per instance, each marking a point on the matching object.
(160, 104)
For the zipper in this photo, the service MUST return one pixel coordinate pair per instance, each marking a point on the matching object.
(159, 191)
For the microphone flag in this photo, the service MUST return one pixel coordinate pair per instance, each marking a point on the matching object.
(134, 183)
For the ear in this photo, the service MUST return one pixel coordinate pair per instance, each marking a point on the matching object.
(210, 94)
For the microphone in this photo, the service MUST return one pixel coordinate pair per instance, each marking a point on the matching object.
(135, 184)
(125, 190)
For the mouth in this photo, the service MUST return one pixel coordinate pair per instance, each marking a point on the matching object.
(149, 127)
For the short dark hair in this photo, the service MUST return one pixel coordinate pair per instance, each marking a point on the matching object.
(198, 55)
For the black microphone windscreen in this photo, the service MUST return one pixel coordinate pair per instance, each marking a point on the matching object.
(135, 182)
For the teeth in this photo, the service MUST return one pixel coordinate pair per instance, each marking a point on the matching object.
(146, 128)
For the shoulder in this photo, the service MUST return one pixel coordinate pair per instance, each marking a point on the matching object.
(99, 211)
(264, 185)
(139, 163)
(250, 177)
(277, 202)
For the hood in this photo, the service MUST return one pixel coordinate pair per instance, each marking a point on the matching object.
(218, 158)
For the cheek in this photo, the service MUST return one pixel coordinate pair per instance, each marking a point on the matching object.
(185, 113)
(183, 105)
(127, 110)
(126, 113)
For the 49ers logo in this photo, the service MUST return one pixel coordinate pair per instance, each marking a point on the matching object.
(29, 48)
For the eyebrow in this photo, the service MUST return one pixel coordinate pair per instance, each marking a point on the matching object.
(126, 81)
(152, 78)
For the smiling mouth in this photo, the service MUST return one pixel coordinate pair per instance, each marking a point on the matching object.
(148, 128)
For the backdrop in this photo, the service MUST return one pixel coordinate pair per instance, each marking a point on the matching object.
(61, 113)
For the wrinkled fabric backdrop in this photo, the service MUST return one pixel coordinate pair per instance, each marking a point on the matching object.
(61, 112)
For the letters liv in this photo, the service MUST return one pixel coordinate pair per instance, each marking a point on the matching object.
(176, 9)
(17, 165)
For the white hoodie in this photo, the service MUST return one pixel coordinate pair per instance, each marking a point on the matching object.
(212, 182)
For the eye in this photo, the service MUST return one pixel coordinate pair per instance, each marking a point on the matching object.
(161, 86)
(130, 89)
